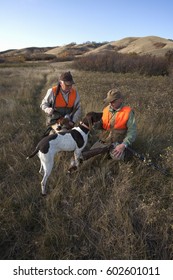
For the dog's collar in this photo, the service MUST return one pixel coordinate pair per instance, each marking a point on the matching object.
(81, 123)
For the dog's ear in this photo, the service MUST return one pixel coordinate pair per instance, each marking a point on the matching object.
(98, 116)
(90, 120)
(93, 117)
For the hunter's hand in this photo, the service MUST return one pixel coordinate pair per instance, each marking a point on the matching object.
(118, 151)
(49, 110)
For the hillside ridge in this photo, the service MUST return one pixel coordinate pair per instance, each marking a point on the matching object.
(148, 45)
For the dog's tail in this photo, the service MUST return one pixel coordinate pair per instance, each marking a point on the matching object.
(34, 153)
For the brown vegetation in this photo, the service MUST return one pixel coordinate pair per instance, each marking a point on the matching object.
(106, 210)
(125, 63)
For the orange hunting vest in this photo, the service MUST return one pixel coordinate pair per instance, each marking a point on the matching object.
(60, 102)
(120, 121)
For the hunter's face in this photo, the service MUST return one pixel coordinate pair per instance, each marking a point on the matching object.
(116, 103)
(65, 87)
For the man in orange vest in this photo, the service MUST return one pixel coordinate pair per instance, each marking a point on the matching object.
(62, 100)
(118, 125)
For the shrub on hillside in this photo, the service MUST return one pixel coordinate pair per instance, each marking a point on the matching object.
(169, 56)
(2, 60)
(124, 63)
(39, 57)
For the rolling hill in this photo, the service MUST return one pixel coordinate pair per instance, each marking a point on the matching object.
(151, 45)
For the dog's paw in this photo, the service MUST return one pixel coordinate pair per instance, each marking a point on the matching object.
(81, 160)
(43, 194)
(71, 169)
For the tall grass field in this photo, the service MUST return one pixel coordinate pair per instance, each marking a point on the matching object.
(105, 210)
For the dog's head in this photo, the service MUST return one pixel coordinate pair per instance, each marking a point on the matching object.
(62, 122)
(91, 118)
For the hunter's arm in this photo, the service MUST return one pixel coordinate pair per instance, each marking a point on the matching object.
(131, 130)
(77, 114)
(47, 100)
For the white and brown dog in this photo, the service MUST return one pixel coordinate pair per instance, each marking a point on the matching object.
(72, 140)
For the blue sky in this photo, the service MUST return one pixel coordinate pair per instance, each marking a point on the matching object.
(49, 23)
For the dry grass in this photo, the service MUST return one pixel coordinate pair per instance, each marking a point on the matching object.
(106, 210)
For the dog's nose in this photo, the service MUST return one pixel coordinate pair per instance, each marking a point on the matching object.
(58, 127)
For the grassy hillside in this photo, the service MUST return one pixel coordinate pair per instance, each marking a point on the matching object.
(148, 45)
(106, 210)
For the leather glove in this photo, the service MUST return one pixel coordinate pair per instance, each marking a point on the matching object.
(49, 110)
